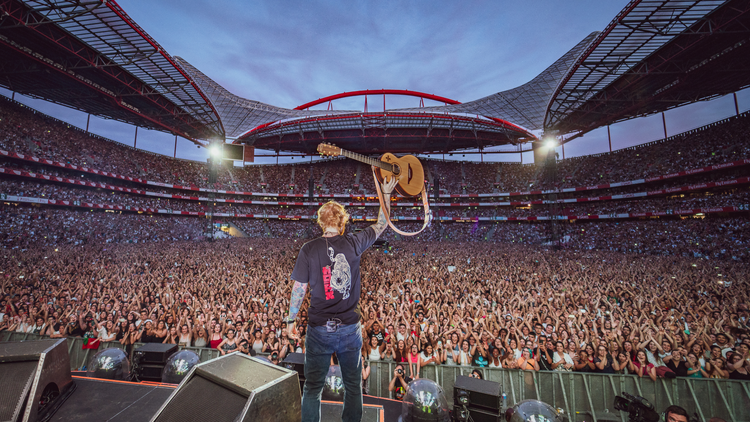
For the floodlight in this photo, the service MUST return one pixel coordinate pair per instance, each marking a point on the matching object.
(215, 150)
(551, 143)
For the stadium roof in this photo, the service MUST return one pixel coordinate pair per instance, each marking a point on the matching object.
(392, 131)
(524, 105)
(654, 55)
(418, 130)
(91, 56)
(240, 115)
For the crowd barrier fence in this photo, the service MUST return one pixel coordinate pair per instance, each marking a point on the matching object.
(581, 396)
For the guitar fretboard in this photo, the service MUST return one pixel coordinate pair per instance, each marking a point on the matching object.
(368, 160)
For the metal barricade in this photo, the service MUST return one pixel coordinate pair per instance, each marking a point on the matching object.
(590, 397)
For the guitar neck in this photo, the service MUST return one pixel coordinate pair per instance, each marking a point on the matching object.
(368, 160)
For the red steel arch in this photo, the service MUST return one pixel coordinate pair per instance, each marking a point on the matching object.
(377, 92)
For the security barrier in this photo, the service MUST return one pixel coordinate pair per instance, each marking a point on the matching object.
(590, 397)
(581, 397)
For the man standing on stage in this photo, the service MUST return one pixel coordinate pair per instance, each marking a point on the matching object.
(330, 264)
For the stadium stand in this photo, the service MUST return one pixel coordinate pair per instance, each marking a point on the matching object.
(110, 222)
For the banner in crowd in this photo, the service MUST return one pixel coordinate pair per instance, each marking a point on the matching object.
(706, 169)
(668, 191)
(77, 204)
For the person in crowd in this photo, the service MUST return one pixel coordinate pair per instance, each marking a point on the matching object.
(373, 350)
(642, 366)
(413, 361)
(526, 361)
(398, 384)
(229, 344)
(429, 356)
(365, 377)
(561, 359)
(695, 369)
(738, 367)
(675, 414)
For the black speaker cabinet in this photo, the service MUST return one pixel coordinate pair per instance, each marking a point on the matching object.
(482, 393)
(235, 387)
(33, 374)
(156, 352)
(295, 362)
(151, 372)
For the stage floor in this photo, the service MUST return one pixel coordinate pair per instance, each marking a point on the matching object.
(121, 401)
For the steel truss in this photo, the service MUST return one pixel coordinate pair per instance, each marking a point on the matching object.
(96, 42)
(655, 55)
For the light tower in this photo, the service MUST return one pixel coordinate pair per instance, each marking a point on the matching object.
(549, 180)
(214, 161)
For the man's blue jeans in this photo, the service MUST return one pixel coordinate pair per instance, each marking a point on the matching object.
(346, 342)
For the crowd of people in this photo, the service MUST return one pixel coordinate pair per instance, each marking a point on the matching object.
(28, 228)
(26, 132)
(38, 187)
(652, 297)
(423, 303)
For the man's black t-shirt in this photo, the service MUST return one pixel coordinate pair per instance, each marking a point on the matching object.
(331, 267)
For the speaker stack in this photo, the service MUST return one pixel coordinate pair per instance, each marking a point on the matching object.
(34, 379)
(477, 400)
(235, 387)
(296, 362)
(151, 359)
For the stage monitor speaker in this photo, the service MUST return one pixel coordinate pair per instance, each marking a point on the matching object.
(482, 393)
(151, 372)
(33, 376)
(155, 353)
(295, 362)
(478, 415)
(235, 387)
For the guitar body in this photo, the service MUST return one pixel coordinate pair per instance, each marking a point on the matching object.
(410, 177)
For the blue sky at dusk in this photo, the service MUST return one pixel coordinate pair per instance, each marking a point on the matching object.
(290, 52)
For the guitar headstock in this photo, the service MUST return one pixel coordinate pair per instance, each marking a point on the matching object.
(329, 150)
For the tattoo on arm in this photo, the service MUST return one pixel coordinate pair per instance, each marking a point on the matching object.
(298, 295)
(382, 222)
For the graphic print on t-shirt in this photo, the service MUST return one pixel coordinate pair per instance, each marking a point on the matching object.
(341, 276)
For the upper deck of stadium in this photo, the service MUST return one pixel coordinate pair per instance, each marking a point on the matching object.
(653, 56)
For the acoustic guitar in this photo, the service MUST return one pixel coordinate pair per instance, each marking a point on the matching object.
(406, 169)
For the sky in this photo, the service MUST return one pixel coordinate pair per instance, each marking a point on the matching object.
(287, 53)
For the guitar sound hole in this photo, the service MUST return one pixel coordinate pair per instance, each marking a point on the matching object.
(396, 169)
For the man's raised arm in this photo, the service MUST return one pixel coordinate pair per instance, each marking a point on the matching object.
(387, 189)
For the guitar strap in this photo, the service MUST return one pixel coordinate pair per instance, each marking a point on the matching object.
(425, 205)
